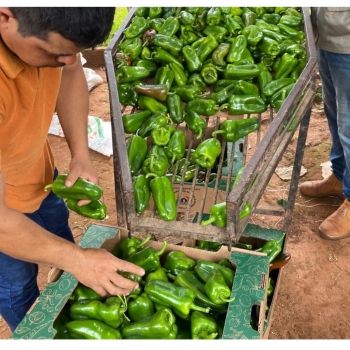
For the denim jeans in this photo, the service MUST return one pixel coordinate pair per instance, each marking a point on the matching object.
(18, 279)
(334, 71)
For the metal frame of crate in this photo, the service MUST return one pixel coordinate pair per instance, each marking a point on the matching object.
(258, 172)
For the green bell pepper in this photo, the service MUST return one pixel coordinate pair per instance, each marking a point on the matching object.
(292, 33)
(213, 16)
(163, 56)
(128, 74)
(160, 325)
(161, 136)
(286, 66)
(209, 73)
(147, 258)
(157, 120)
(169, 43)
(238, 50)
(179, 299)
(186, 18)
(206, 47)
(292, 21)
(133, 121)
(272, 248)
(96, 209)
(223, 95)
(234, 28)
(271, 18)
(140, 307)
(203, 326)
(219, 32)
(142, 12)
(137, 151)
(82, 292)
(216, 288)
(142, 192)
(233, 130)
(170, 12)
(204, 107)
(217, 215)
(191, 58)
(188, 92)
(246, 104)
(253, 34)
(109, 311)
(156, 161)
(241, 72)
(92, 329)
(207, 152)
(170, 27)
(249, 17)
(269, 46)
(156, 23)
(127, 95)
(195, 79)
(131, 47)
(132, 277)
(155, 12)
(164, 197)
(128, 246)
(276, 85)
(151, 104)
(81, 189)
(177, 261)
(176, 147)
(137, 27)
(195, 123)
(174, 106)
(219, 54)
(180, 77)
(164, 75)
(158, 274)
(243, 87)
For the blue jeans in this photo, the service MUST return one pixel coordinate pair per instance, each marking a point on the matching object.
(18, 279)
(334, 71)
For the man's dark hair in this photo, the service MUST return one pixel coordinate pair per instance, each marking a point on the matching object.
(85, 26)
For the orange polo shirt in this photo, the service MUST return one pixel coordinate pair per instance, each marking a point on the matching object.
(27, 102)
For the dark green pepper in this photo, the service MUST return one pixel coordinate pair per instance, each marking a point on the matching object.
(223, 95)
(286, 66)
(179, 299)
(127, 95)
(238, 50)
(264, 78)
(209, 73)
(206, 47)
(150, 65)
(192, 59)
(131, 47)
(164, 197)
(177, 261)
(140, 308)
(271, 18)
(234, 28)
(196, 80)
(204, 107)
(163, 56)
(291, 21)
(156, 161)
(245, 88)
(137, 27)
(233, 130)
(276, 85)
(187, 36)
(171, 44)
(175, 108)
(137, 151)
(128, 74)
(176, 147)
(220, 33)
(213, 16)
(164, 75)
(170, 26)
(179, 75)
(188, 92)
(221, 84)
(151, 104)
(272, 248)
(216, 288)
(170, 12)
(157, 120)
(292, 33)
(207, 152)
(147, 258)
(295, 74)
(246, 104)
(133, 277)
(132, 122)
(195, 123)
(95, 209)
(82, 292)
(241, 72)
(269, 46)
(92, 329)
(142, 12)
(219, 54)
(273, 35)
(203, 326)
(206, 245)
(186, 18)
(142, 193)
(159, 91)
(81, 189)
(156, 23)
(160, 325)
(155, 12)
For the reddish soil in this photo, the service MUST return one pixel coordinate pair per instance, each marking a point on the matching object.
(313, 298)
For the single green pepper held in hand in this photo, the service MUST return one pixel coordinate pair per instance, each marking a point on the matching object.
(81, 189)
(92, 329)
(203, 326)
(95, 209)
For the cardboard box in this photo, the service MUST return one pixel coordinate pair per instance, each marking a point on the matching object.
(249, 288)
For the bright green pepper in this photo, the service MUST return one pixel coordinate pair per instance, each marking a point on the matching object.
(195, 123)
(128, 246)
(163, 56)
(270, 287)
(209, 73)
(187, 36)
(221, 84)
(158, 91)
(131, 47)
(142, 193)
(276, 85)
(273, 35)
(151, 104)
(206, 245)
(81, 189)
(157, 120)
(205, 268)
(233, 130)
(156, 161)
(271, 18)
(297, 50)
(160, 325)
(223, 95)
(137, 151)
(133, 277)
(246, 104)
(92, 329)
(293, 12)
(127, 95)
(164, 75)
(170, 12)
(281, 94)
(291, 21)
(292, 33)
(253, 34)
(258, 10)
(188, 92)
(206, 47)
(128, 74)
(140, 308)
(203, 326)
(269, 46)
(219, 54)
(95, 209)
(109, 311)
(241, 72)
(155, 12)
(204, 107)
(234, 28)
(168, 43)
(156, 23)
(142, 12)
(206, 153)
(150, 65)
(164, 197)
(238, 50)
(132, 122)
(137, 27)
(82, 292)
(245, 88)
(295, 74)
(216, 288)
(147, 258)
(179, 75)
(249, 17)
(186, 18)
(218, 32)
(170, 26)
(161, 136)
(264, 25)
(176, 147)
(272, 248)
(177, 261)
(196, 80)
(192, 59)
(179, 299)
(175, 108)
(217, 215)
(213, 16)
(264, 78)
(158, 274)
(286, 66)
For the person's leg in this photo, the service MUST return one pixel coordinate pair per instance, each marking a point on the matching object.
(18, 279)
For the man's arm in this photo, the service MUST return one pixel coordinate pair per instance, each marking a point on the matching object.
(72, 110)
(23, 239)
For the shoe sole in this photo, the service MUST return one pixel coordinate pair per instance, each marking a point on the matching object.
(324, 236)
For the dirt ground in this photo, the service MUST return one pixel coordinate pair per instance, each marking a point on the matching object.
(313, 299)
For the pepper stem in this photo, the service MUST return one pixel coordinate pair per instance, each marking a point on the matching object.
(47, 187)
(221, 107)
(208, 222)
(225, 299)
(200, 134)
(171, 276)
(199, 308)
(217, 132)
(160, 252)
(151, 175)
(144, 241)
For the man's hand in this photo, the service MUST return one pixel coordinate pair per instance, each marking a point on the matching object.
(97, 269)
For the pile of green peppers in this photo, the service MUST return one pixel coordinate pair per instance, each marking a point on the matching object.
(81, 190)
(181, 65)
(178, 298)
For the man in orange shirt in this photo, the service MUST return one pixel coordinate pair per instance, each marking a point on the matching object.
(40, 71)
